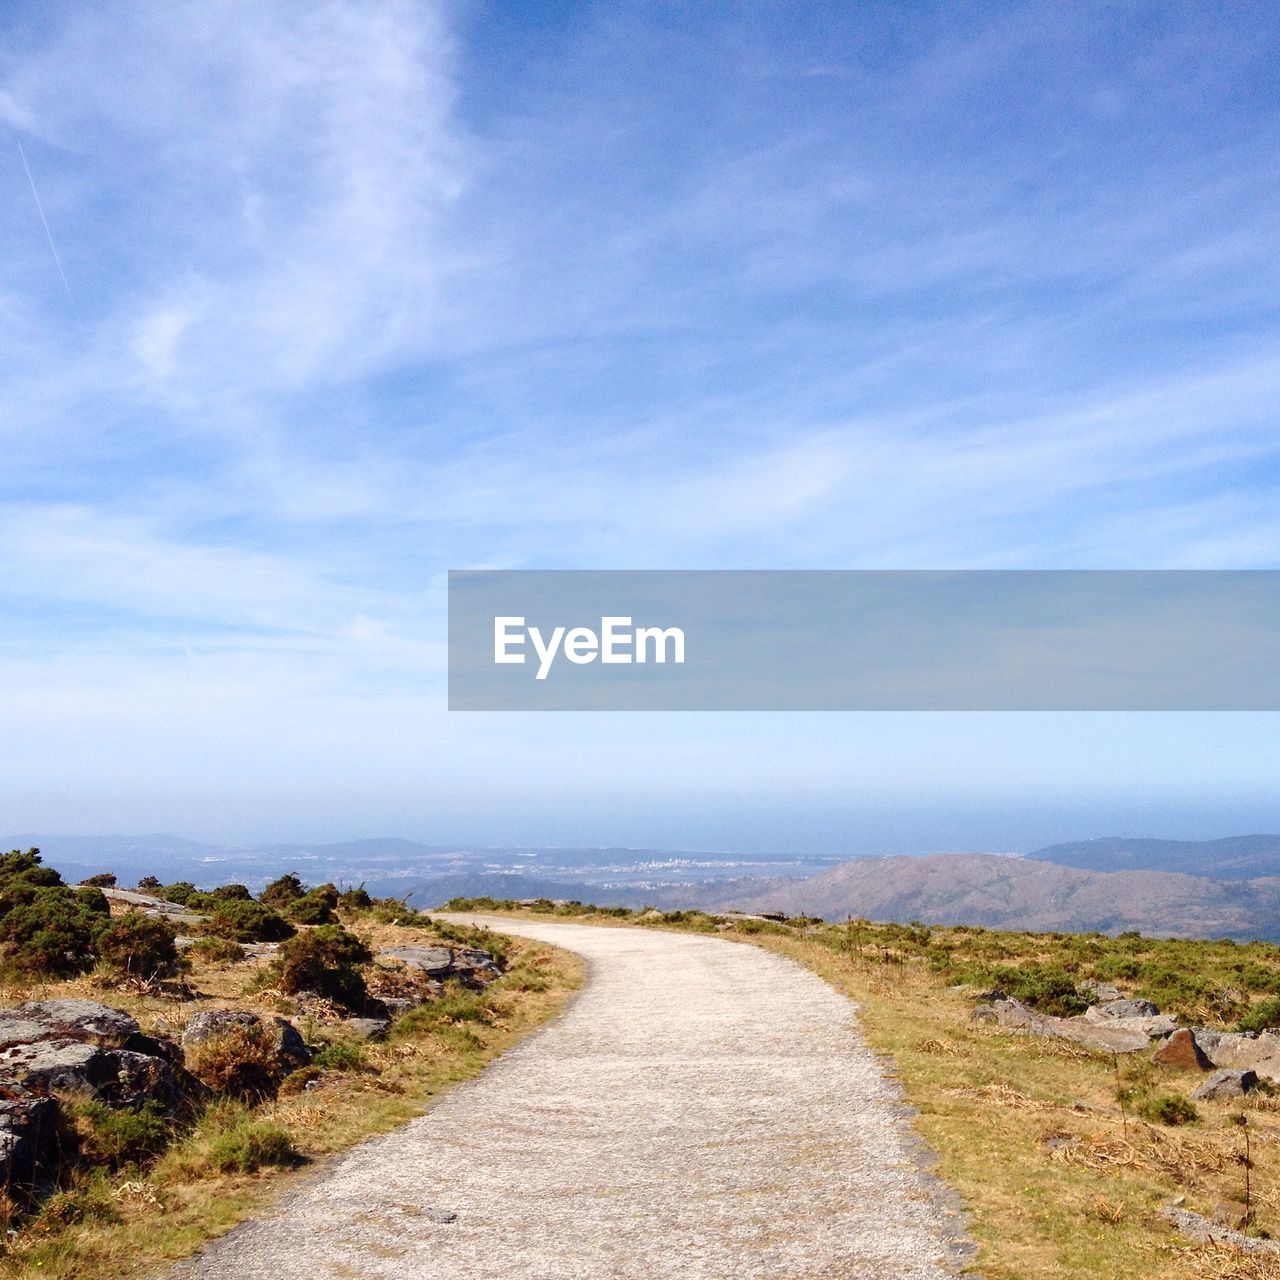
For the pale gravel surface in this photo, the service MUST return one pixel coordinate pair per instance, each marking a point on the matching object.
(703, 1109)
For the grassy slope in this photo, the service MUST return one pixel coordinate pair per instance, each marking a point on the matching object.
(1087, 1201)
(125, 1225)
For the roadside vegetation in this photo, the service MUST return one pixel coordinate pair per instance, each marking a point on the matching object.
(315, 1041)
(1066, 1157)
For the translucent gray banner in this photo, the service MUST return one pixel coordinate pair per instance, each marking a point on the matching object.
(1056, 640)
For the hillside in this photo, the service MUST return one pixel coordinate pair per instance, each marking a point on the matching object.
(1001, 892)
(1235, 858)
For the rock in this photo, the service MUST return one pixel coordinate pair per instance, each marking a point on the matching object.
(1103, 992)
(1013, 1013)
(1182, 1052)
(469, 961)
(118, 1077)
(1258, 1052)
(431, 960)
(30, 1144)
(398, 1006)
(1126, 1009)
(80, 1046)
(1206, 1231)
(212, 1024)
(1149, 1025)
(983, 1013)
(367, 1028)
(83, 1020)
(157, 908)
(1225, 1085)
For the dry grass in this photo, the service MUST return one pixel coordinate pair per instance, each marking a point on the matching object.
(126, 1225)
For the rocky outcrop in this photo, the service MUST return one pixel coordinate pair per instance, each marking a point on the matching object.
(1110, 1033)
(157, 908)
(51, 1047)
(1225, 1085)
(30, 1145)
(1252, 1051)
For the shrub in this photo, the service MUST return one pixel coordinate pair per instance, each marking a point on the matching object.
(231, 893)
(216, 950)
(311, 908)
(1169, 1108)
(180, 891)
(279, 893)
(26, 868)
(150, 884)
(227, 1139)
(1264, 1016)
(93, 900)
(340, 1055)
(137, 945)
(50, 934)
(242, 1062)
(116, 1137)
(324, 959)
(356, 899)
(239, 920)
(104, 880)
(297, 1081)
(1048, 988)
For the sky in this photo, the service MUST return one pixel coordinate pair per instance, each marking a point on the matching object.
(303, 306)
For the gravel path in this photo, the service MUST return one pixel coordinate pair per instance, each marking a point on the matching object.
(704, 1110)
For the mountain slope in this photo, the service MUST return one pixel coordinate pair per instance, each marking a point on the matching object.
(1235, 858)
(1015, 893)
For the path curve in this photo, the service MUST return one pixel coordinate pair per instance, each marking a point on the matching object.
(704, 1110)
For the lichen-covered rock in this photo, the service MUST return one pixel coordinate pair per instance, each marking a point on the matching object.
(118, 1077)
(1224, 1085)
(434, 961)
(1127, 1009)
(30, 1144)
(1244, 1050)
(367, 1028)
(50, 1047)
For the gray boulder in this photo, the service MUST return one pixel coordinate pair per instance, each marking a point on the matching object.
(1102, 992)
(30, 1144)
(1224, 1085)
(1247, 1050)
(118, 1077)
(367, 1028)
(433, 961)
(1126, 1009)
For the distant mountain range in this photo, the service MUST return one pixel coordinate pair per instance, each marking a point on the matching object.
(1023, 893)
(1183, 888)
(1235, 858)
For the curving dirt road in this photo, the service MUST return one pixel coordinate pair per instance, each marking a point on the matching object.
(703, 1109)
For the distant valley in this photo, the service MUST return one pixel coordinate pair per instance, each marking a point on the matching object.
(1216, 888)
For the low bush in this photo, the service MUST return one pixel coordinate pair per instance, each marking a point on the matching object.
(326, 960)
(231, 893)
(341, 1055)
(1047, 988)
(242, 1063)
(181, 892)
(312, 908)
(138, 946)
(104, 880)
(1169, 1109)
(356, 899)
(214, 950)
(227, 1139)
(115, 1137)
(297, 1081)
(241, 920)
(281, 892)
(1264, 1016)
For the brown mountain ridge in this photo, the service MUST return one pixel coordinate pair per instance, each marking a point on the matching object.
(1004, 892)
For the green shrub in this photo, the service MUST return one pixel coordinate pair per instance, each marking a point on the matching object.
(116, 1137)
(250, 1146)
(341, 1055)
(1047, 988)
(104, 880)
(149, 884)
(231, 893)
(51, 934)
(356, 899)
(1264, 1016)
(1170, 1109)
(180, 892)
(240, 920)
(139, 946)
(281, 892)
(93, 900)
(216, 950)
(311, 908)
(325, 959)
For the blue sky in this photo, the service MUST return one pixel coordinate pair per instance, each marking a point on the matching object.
(356, 294)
